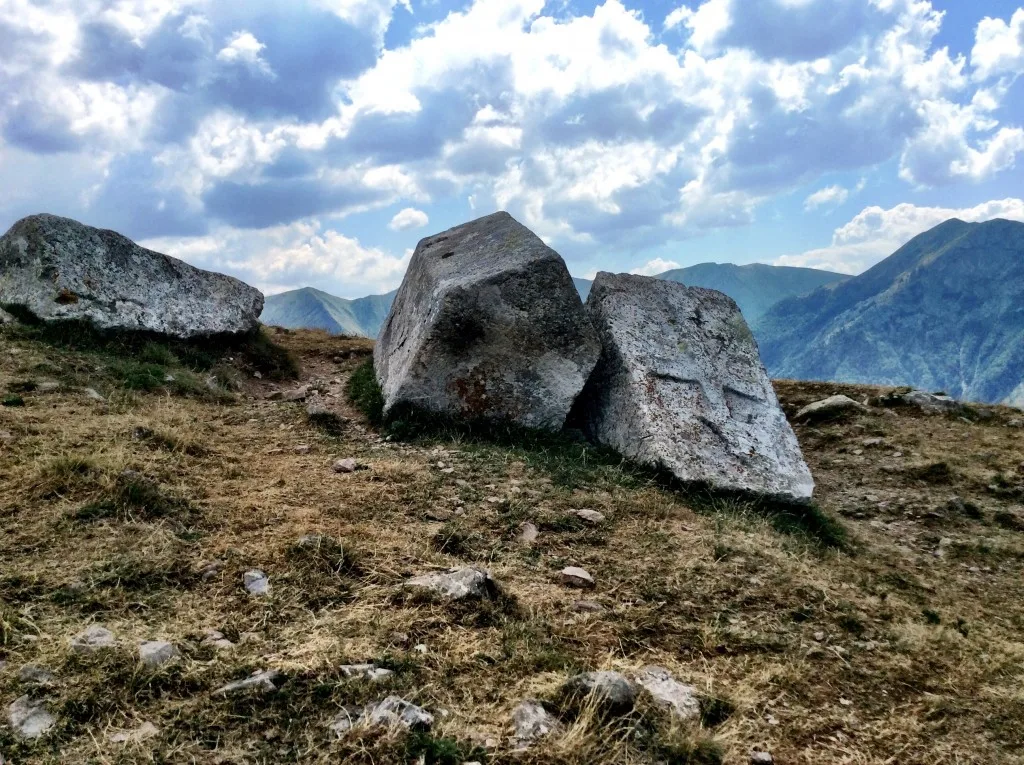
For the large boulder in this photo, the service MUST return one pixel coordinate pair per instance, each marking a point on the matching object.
(58, 268)
(487, 324)
(680, 387)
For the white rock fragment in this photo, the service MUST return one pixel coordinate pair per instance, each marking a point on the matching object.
(370, 672)
(156, 653)
(134, 735)
(29, 718)
(456, 583)
(531, 722)
(528, 533)
(261, 681)
(590, 516)
(829, 408)
(574, 576)
(256, 582)
(93, 640)
(679, 698)
(393, 711)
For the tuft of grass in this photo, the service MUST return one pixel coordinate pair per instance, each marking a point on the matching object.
(133, 496)
(65, 475)
(12, 399)
(365, 394)
(682, 748)
(935, 472)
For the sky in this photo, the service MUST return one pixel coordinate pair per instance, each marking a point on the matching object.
(314, 142)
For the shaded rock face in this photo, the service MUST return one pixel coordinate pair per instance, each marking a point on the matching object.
(680, 387)
(58, 268)
(487, 324)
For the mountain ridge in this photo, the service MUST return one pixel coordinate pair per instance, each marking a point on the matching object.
(755, 287)
(944, 312)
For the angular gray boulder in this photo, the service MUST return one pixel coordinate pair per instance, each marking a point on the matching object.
(58, 268)
(680, 387)
(487, 324)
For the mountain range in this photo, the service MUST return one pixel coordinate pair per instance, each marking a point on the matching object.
(944, 312)
(755, 288)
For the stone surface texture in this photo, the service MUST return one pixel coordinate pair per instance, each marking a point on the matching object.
(94, 639)
(611, 690)
(830, 407)
(58, 268)
(531, 722)
(487, 324)
(264, 680)
(680, 387)
(677, 697)
(456, 584)
(29, 717)
(156, 653)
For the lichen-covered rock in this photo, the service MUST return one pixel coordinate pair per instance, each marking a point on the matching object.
(93, 640)
(531, 722)
(487, 324)
(156, 653)
(610, 690)
(456, 583)
(680, 387)
(58, 268)
(29, 718)
(667, 692)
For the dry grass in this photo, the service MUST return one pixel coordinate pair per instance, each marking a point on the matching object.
(907, 648)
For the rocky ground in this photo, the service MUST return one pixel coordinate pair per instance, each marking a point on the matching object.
(191, 572)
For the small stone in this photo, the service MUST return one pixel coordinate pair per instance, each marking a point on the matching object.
(587, 606)
(493, 500)
(47, 387)
(762, 758)
(420, 648)
(33, 674)
(819, 636)
(29, 718)
(216, 639)
(590, 516)
(256, 582)
(1016, 422)
(456, 583)
(574, 576)
(869, 442)
(829, 408)
(93, 640)
(529, 533)
(679, 698)
(296, 394)
(610, 689)
(209, 570)
(93, 394)
(145, 731)
(303, 449)
(347, 465)
(156, 653)
(370, 672)
(265, 680)
(393, 711)
(531, 721)
(140, 433)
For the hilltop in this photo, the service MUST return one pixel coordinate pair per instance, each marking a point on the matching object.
(944, 312)
(755, 287)
(881, 625)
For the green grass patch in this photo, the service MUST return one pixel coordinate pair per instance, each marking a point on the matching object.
(135, 497)
(12, 399)
(365, 394)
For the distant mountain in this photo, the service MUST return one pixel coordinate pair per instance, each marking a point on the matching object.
(754, 288)
(314, 309)
(944, 312)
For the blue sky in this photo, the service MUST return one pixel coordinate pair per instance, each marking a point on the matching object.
(315, 142)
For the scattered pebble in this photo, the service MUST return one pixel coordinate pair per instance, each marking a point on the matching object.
(456, 583)
(93, 640)
(574, 576)
(33, 674)
(610, 690)
(587, 606)
(393, 711)
(590, 516)
(529, 533)
(145, 731)
(370, 672)
(531, 721)
(347, 465)
(156, 653)
(29, 718)
(667, 692)
(264, 680)
(303, 449)
(762, 758)
(256, 582)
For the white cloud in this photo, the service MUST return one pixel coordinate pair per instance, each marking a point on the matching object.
(284, 257)
(655, 267)
(999, 47)
(244, 48)
(829, 196)
(875, 233)
(408, 218)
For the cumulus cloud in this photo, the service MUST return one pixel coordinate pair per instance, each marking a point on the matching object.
(655, 267)
(408, 218)
(829, 196)
(999, 47)
(875, 233)
(282, 257)
(601, 132)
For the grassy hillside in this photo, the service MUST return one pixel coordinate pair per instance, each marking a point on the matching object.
(895, 640)
(945, 312)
